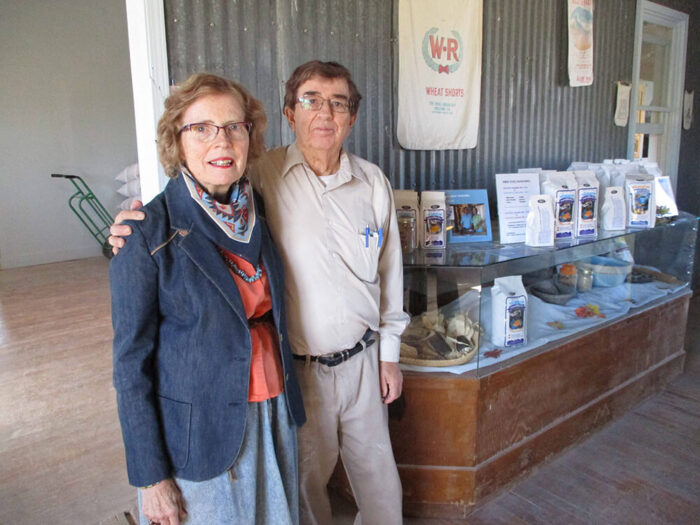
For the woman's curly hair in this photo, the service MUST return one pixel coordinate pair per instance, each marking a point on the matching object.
(184, 95)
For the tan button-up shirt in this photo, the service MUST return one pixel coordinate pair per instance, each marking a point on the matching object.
(339, 280)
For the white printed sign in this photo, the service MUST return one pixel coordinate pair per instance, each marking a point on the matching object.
(513, 192)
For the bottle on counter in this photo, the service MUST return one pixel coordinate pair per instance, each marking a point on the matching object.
(585, 280)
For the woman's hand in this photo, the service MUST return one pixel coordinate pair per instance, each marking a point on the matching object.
(163, 503)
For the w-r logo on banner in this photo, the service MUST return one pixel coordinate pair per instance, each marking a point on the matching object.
(442, 54)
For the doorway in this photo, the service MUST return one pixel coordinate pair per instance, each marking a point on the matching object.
(658, 74)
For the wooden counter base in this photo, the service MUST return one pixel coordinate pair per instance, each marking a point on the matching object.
(457, 438)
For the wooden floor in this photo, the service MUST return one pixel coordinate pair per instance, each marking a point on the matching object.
(61, 457)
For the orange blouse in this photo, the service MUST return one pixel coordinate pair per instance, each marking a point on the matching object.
(265, 364)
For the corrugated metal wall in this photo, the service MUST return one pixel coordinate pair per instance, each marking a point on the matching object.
(529, 116)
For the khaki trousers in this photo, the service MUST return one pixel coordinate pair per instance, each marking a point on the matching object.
(345, 415)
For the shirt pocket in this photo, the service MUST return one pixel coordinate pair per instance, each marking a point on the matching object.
(365, 256)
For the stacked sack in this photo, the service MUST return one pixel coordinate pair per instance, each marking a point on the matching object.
(131, 185)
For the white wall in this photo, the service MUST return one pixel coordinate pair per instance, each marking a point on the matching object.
(65, 107)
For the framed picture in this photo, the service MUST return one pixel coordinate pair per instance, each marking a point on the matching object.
(468, 215)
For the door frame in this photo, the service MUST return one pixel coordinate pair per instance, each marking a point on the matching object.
(648, 11)
(150, 84)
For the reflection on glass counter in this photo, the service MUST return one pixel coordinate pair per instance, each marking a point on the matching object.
(569, 289)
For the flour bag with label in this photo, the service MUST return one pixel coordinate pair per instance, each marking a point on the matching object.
(508, 311)
(587, 201)
(641, 206)
(561, 186)
(434, 218)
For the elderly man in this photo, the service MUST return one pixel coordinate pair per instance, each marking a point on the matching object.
(332, 216)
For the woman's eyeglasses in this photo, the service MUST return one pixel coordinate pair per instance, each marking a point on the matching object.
(206, 132)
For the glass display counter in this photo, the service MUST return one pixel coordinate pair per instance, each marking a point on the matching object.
(461, 431)
(449, 292)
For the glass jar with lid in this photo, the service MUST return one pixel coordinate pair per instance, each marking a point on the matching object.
(407, 232)
(568, 275)
(585, 280)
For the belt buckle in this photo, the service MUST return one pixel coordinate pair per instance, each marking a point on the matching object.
(342, 355)
(332, 360)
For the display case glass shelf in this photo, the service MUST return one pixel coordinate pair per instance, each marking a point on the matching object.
(448, 292)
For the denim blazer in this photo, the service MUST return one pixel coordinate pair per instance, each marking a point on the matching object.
(182, 346)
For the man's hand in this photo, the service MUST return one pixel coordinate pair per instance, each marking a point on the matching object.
(163, 503)
(391, 381)
(118, 231)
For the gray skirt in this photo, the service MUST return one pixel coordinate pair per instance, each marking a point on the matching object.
(262, 487)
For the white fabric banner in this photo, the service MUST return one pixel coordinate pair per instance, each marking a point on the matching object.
(439, 73)
(580, 42)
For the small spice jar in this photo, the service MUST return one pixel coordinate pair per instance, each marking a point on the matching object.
(585, 280)
(407, 233)
(568, 275)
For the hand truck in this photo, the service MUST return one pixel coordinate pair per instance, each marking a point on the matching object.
(90, 211)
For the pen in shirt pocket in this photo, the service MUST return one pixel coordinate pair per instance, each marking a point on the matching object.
(369, 233)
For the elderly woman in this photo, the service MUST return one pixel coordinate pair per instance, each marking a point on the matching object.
(207, 395)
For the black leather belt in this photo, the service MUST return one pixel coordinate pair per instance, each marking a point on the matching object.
(336, 358)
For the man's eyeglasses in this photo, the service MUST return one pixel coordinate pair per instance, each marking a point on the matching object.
(315, 103)
(206, 132)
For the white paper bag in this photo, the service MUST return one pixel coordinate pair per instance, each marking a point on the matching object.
(539, 230)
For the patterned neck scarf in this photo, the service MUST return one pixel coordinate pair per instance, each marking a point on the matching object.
(232, 226)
